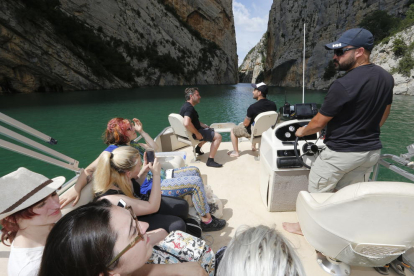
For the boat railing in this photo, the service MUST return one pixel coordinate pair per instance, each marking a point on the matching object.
(57, 158)
(403, 159)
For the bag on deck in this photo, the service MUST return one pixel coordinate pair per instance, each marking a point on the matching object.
(179, 247)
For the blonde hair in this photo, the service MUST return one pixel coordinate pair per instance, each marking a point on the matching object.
(112, 169)
(259, 251)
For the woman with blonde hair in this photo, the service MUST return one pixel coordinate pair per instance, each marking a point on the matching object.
(117, 176)
(261, 251)
(187, 180)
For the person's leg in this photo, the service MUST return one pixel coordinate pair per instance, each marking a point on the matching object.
(366, 161)
(215, 145)
(186, 171)
(192, 185)
(293, 228)
(235, 143)
(175, 206)
(167, 222)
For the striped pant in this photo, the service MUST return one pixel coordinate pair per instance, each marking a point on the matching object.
(187, 181)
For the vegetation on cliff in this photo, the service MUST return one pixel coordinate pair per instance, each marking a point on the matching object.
(384, 26)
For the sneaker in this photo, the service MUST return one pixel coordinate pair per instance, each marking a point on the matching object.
(215, 225)
(212, 163)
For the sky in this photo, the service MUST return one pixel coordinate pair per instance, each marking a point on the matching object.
(250, 20)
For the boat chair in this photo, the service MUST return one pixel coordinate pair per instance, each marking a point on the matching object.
(262, 122)
(365, 224)
(183, 135)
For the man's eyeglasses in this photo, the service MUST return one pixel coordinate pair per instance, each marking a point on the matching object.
(340, 52)
(138, 238)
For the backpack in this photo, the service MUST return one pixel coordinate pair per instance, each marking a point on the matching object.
(193, 227)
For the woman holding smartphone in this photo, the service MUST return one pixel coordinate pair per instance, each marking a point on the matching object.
(187, 180)
(117, 176)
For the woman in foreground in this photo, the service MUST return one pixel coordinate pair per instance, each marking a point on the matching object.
(261, 251)
(103, 239)
(29, 208)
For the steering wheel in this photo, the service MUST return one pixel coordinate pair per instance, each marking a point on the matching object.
(309, 149)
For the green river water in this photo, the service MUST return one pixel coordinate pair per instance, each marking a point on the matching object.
(78, 119)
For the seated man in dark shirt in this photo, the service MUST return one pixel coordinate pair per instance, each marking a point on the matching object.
(244, 129)
(200, 131)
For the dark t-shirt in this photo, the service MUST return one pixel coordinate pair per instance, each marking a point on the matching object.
(258, 107)
(357, 102)
(188, 110)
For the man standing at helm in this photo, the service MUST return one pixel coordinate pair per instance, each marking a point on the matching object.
(354, 109)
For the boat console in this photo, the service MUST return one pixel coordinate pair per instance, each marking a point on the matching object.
(286, 159)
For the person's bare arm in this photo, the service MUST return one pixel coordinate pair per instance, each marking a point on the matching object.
(316, 124)
(246, 121)
(157, 235)
(203, 125)
(150, 143)
(189, 126)
(141, 207)
(180, 269)
(73, 194)
(385, 115)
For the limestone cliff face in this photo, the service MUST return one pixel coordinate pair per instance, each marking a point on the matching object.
(325, 21)
(252, 68)
(106, 44)
(384, 56)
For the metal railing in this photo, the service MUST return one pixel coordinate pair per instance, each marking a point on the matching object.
(403, 159)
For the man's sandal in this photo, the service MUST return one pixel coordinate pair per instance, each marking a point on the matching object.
(399, 266)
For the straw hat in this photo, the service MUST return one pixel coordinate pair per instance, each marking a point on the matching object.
(23, 188)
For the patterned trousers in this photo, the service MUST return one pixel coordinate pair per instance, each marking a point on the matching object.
(187, 181)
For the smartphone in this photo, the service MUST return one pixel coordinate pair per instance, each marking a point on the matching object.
(150, 155)
(169, 173)
(121, 203)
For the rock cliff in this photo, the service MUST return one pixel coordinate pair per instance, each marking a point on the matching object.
(252, 68)
(384, 56)
(325, 21)
(52, 45)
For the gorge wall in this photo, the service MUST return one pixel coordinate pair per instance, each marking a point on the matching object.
(252, 68)
(52, 45)
(325, 21)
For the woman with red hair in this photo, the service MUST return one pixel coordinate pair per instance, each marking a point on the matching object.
(29, 207)
(187, 180)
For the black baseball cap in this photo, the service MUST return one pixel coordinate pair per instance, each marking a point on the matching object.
(262, 87)
(357, 37)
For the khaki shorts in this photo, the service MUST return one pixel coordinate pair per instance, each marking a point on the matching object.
(240, 131)
(334, 170)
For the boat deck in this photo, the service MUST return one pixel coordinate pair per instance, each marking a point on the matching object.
(237, 185)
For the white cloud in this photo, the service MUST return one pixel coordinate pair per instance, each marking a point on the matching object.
(249, 28)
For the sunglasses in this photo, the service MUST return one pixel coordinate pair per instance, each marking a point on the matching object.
(138, 238)
(340, 52)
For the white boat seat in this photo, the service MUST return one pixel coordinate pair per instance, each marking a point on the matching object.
(222, 127)
(364, 224)
(183, 135)
(262, 122)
